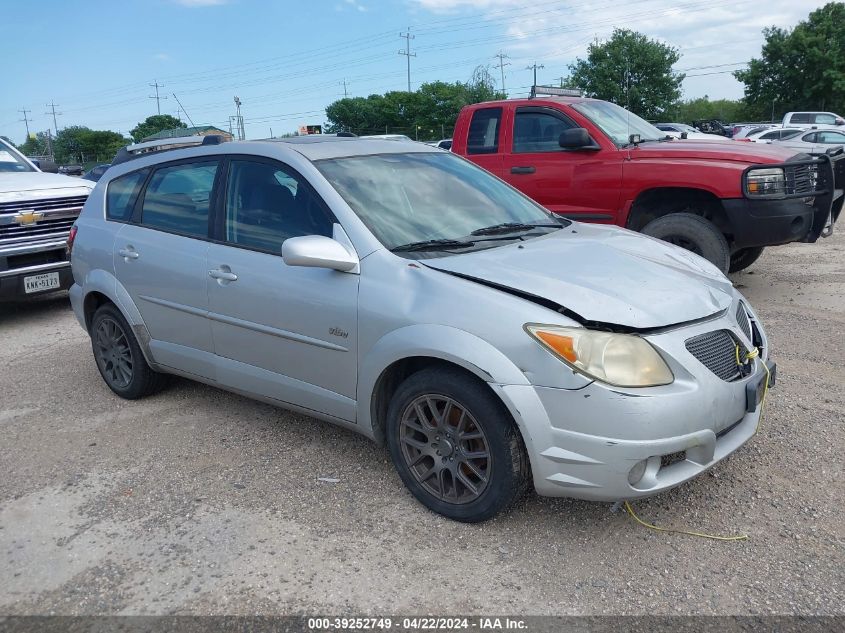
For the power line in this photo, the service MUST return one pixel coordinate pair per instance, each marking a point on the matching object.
(52, 107)
(157, 85)
(407, 53)
(25, 120)
(183, 109)
(502, 63)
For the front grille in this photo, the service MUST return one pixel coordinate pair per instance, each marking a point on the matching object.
(45, 229)
(743, 321)
(717, 352)
(68, 204)
(801, 179)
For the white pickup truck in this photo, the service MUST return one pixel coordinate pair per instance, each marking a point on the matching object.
(36, 213)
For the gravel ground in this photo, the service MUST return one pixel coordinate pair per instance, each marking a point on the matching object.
(199, 501)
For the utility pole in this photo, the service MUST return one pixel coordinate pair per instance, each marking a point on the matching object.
(345, 94)
(502, 63)
(562, 79)
(52, 107)
(25, 119)
(534, 66)
(183, 109)
(157, 85)
(407, 53)
(239, 120)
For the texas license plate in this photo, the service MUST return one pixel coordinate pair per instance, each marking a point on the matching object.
(37, 283)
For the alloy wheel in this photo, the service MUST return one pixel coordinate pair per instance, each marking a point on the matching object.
(445, 449)
(114, 356)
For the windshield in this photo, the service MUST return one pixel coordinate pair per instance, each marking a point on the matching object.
(618, 123)
(411, 198)
(10, 160)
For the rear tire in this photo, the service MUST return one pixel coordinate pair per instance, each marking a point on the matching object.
(119, 358)
(455, 445)
(744, 257)
(694, 233)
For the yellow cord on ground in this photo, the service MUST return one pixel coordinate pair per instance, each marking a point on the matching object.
(738, 537)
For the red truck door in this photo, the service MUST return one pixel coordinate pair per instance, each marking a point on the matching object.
(580, 183)
(484, 139)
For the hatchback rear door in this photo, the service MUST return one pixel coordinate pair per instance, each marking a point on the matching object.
(160, 258)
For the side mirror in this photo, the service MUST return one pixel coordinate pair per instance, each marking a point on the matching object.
(840, 121)
(684, 135)
(634, 139)
(318, 251)
(575, 138)
(48, 166)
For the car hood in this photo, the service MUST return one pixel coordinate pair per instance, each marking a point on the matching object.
(602, 275)
(37, 184)
(726, 150)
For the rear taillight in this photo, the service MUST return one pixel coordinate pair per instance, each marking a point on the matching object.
(70, 238)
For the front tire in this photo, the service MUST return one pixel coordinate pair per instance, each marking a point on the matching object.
(455, 445)
(694, 233)
(744, 257)
(119, 358)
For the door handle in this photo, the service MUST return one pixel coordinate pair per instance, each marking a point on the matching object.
(222, 275)
(128, 253)
(522, 170)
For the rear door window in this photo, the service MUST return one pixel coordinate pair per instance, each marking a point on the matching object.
(800, 117)
(484, 131)
(177, 198)
(831, 137)
(122, 193)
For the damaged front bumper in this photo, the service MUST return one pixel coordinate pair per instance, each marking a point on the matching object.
(604, 443)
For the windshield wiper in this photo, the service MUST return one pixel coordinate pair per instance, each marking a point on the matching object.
(431, 245)
(512, 227)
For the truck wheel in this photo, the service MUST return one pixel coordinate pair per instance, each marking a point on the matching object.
(455, 445)
(693, 233)
(744, 257)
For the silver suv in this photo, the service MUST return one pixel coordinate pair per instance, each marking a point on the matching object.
(404, 293)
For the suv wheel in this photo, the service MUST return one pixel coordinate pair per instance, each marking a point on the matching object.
(455, 445)
(744, 257)
(119, 358)
(694, 233)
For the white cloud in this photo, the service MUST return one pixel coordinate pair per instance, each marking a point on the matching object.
(711, 33)
(200, 3)
(352, 4)
(162, 57)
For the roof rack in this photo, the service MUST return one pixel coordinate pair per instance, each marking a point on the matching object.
(137, 150)
(554, 91)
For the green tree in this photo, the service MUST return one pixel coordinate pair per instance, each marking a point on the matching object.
(35, 146)
(630, 70)
(799, 69)
(427, 113)
(725, 110)
(79, 144)
(154, 124)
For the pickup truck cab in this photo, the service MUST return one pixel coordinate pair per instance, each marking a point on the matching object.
(594, 161)
(37, 211)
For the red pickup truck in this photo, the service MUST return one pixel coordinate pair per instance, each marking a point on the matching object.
(594, 161)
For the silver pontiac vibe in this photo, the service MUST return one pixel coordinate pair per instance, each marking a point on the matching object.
(400, 291)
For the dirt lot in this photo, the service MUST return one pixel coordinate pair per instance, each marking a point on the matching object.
(199, 501)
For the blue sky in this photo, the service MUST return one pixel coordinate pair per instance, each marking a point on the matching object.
(287, 61)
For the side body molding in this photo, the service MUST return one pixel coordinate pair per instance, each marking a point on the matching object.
(435, 341)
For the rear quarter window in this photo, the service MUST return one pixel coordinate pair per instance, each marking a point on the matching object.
(122, 193)
(483, 137)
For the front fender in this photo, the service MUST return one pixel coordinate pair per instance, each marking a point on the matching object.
(431, 341)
